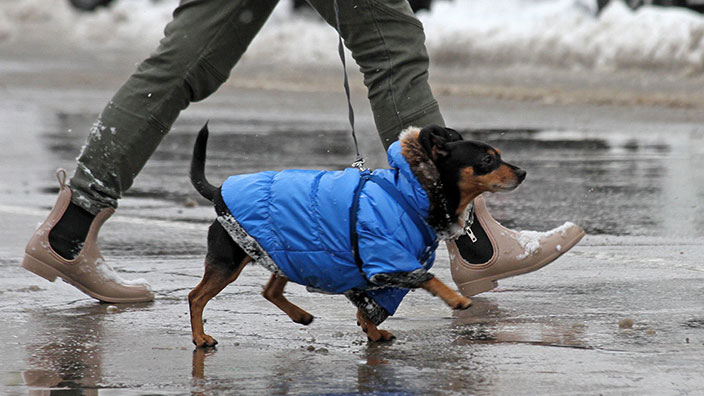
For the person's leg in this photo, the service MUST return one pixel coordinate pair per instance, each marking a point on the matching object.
(202, 44)
(388, 43)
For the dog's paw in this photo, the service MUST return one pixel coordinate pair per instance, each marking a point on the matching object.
(204, 341)
(461, 303)
(305, 319)
(381, 336)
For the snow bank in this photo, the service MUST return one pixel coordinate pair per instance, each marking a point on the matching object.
(566, 33)
(558, 33)
(126, 24)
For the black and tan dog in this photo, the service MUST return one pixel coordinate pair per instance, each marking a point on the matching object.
(451, 171)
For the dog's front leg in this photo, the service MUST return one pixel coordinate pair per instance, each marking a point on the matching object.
(426, 280)
(437, 288)
(369, 328)
(274, 292)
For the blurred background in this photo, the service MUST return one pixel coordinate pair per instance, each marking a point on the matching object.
(572, 34)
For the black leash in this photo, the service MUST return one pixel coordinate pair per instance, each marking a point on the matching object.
(359, 162)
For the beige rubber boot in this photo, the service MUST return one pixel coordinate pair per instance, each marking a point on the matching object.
(88, 271)
(511, 252)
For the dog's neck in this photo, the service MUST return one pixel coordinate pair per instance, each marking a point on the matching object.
(444, 205)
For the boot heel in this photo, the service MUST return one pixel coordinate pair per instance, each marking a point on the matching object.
(475, 287)
(31, 264)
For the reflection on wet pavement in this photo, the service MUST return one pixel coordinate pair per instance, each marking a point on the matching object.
(485, 323)
(555, 332)
(65, 352)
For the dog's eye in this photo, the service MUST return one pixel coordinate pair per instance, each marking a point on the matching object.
(488, 160)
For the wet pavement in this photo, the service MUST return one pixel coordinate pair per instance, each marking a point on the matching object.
(622, 313)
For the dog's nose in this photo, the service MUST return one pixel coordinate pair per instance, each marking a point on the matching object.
(521, 175)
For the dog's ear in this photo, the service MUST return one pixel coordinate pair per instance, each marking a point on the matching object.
(454, 136)
(434, 141)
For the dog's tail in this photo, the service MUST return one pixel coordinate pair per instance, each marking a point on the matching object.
(198, 179)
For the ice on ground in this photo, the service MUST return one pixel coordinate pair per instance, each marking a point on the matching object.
(557, 33)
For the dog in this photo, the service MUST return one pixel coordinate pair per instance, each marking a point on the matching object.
(368, 235)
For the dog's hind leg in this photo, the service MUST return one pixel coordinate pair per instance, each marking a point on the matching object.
(369, 328)
(223, 264)
(274, 292)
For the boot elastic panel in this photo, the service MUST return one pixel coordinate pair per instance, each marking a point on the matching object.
(474, 245)
(69, 234)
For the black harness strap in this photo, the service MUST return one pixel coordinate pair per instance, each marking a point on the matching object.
(354, 238)
(430, 243)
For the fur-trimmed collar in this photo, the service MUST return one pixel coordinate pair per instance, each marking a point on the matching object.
(443, 219)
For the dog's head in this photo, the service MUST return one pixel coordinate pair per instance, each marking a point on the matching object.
(467, 168)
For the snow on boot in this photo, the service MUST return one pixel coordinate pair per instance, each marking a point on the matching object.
(88, 271)
(488, 251)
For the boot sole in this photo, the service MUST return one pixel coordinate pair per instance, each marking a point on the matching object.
(472, 288)
(38, 268)
(50, 273)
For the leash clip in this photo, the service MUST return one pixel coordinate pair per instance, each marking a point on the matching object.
(359, 164)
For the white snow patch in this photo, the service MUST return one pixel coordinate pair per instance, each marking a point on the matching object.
(530, 240)
(453, 232)
(104, 270)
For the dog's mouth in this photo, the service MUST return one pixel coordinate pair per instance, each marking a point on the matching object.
(517, 175)
(503, 188)
(503, 181)
(507, 187)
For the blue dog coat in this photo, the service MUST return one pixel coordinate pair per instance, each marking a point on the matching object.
(297, 223)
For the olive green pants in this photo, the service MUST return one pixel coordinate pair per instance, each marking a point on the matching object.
(203, 43)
